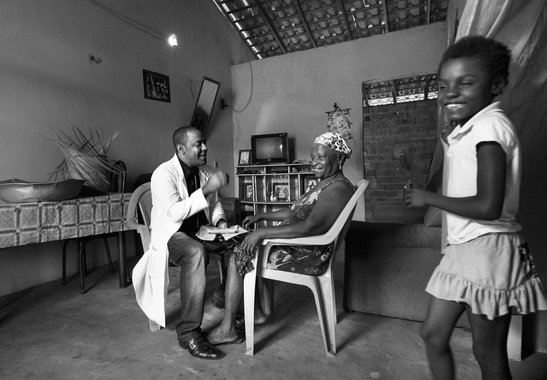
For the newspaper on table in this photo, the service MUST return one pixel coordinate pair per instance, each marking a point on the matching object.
(209, 233)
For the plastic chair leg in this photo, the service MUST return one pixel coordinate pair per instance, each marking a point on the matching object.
(315, 287)
(329, 304)
(249, 285)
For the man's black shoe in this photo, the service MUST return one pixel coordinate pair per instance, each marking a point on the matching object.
(199, 347)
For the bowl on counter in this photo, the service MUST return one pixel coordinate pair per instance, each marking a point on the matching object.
(18, 191)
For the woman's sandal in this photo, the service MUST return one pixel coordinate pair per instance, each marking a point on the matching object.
(239, 338)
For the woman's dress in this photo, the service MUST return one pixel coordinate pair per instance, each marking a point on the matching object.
(311, 260)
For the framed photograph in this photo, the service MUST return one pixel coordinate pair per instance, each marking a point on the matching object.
(248, 192)
(156, 86)
(245, 157)
(281, 190)
(309, 183)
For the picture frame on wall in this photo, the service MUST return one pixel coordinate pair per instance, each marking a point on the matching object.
(244, 157)
(156, 86)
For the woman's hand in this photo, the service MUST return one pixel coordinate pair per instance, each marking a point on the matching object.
(250, 219)
(251, 241)
(416, 197)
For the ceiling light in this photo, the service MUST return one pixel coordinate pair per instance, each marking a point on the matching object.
(172, 40)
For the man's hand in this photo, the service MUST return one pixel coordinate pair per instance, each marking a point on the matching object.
(222, 224)
(218, 179)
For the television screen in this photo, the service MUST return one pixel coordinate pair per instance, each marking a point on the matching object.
(270, 148)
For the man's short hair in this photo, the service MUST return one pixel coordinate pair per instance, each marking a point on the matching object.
(180, 136)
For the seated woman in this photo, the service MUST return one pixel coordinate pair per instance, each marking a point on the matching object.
(312, 214)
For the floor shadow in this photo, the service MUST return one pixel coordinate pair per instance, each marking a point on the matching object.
(12, 305)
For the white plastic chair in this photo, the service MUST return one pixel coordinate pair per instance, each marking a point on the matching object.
(141, 199)
(321, 286)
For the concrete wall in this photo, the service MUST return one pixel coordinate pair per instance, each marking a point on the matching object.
(49, 83)
(291, 93)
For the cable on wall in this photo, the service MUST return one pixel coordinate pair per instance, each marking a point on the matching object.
(136, 24)
(250, 93)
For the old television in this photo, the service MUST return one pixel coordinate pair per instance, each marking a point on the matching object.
(270, 148)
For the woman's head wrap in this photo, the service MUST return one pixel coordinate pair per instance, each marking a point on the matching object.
(334, 141)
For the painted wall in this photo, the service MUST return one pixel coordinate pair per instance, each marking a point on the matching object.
(49, 83)
(291, 93)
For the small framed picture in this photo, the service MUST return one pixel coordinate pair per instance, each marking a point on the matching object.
(156, 86)
(281, 190)
(244, 157)
(248, 192)
(309, 183)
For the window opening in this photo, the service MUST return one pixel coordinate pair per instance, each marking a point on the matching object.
(402, 90)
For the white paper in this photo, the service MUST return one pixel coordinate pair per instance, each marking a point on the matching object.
(209, 233)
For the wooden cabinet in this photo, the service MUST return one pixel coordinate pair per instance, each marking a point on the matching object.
(267, 188)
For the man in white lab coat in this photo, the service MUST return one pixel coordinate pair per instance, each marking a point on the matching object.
(184, 197)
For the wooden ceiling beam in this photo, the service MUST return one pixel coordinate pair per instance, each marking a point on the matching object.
(386, 18)
(365, 9)
(345, 17)
(306, 25)
(239, 9)
(271, 26)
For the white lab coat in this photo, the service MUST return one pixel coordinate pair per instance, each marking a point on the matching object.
(171, 204)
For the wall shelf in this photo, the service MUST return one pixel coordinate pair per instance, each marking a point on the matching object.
(267, 188)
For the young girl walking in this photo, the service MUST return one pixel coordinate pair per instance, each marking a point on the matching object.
(486, 267)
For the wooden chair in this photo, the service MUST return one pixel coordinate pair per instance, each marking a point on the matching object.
(117, 185)
(321, 286)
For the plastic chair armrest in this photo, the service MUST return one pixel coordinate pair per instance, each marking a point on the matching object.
(133, 225)
(308, 240)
